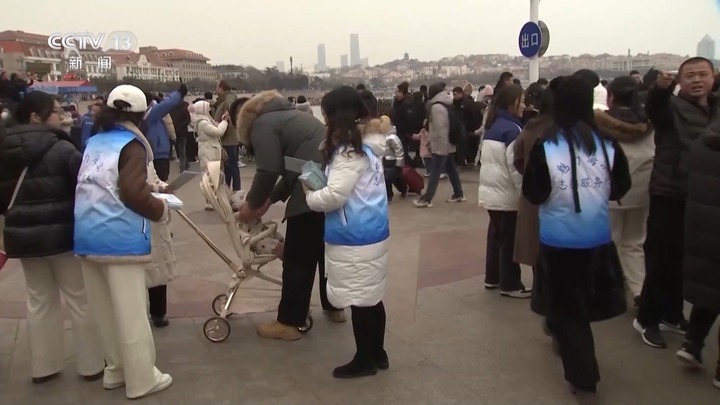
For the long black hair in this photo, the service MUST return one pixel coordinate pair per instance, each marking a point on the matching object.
(109, 117)
(506, 99)
(573, 115)
(343, 109)
(38, 102)
(504, 76)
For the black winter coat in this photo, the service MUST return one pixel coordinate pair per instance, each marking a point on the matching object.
(702, 221)
(41, 222)
(403, 117)
(677, 123)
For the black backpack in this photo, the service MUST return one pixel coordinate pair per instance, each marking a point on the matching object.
(457, 128)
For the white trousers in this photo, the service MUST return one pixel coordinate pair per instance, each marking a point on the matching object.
(46, 278)
(118, 297)
(629, 228)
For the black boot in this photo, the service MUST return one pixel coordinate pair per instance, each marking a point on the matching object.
(381, 358)
(363, 363)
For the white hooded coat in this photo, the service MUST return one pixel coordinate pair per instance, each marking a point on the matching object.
(356, 274)
(208, 133)
(161, 270)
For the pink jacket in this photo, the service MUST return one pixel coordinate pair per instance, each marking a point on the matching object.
(425, 151)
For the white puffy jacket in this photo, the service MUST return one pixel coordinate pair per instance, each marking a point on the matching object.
(500, 183)
(357, 272)
(208, 133)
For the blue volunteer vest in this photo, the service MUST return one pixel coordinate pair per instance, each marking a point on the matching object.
(104, 226)
(363, 220)
(560, 225)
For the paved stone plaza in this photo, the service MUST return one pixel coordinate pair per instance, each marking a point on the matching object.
(449, 341)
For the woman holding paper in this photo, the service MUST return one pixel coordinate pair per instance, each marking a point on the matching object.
(356, 226)
(113, 210)
(208, 133)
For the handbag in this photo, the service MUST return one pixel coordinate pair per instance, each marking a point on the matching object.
(3, 255)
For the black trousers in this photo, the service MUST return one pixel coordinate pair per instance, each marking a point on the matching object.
(304, 253)
(182, 148)
(192, 147)
(568, 273)
(701, 321)
(162, 168)
(394, 177)
(662, 298)
(158, 301)
(473, 145)
(500, 268)
(369, 331)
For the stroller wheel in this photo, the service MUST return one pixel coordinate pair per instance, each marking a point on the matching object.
(219, 303)
(308, 325)
(216, 329)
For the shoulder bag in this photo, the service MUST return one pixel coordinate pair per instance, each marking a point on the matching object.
(3, 255)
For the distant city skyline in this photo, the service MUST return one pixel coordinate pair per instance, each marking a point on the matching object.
(354, 49)
(322, 59)
(430, 33)
(707, 48)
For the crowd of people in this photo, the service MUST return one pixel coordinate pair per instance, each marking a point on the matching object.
(594, 185)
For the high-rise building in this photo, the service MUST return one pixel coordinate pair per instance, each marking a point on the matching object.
(354, 50)
(706, 48)
(280, 65)
(321, 59)
(343, 61)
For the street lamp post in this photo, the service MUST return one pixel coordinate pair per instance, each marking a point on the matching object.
(534, 68)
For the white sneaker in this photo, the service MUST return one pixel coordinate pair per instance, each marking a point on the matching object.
(422, 204)
(456, 199)
(241, 164)
(113, 386)
(524, 293)
(164, 383)
(443, 176)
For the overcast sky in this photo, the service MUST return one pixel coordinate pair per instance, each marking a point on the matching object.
(262, 32)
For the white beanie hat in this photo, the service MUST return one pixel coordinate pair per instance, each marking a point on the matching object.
(202, 107)
(129, 94)
(600, 98)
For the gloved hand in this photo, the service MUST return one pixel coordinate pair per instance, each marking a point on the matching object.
(183, 90)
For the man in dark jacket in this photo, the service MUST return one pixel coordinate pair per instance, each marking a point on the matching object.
(702, 237)
(678, 121)
(272, 128)
(403, 117)
(181, 120)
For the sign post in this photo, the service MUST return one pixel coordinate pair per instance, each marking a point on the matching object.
(531, 48)
(534, 40)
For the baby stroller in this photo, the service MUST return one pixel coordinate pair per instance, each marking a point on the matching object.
(245, 240)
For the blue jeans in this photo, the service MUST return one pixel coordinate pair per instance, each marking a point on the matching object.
(232, 171)
(427, 162)
(437, 164)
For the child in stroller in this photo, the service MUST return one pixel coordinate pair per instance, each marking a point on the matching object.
(267, 246)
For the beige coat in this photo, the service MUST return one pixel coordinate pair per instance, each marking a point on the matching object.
(638, 143)
(162, 269)
(167, 120)
(230, 137)
(527, 230)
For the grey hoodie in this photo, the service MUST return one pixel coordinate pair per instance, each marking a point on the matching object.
(439, 124)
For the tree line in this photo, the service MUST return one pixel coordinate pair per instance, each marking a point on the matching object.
(251, 80)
